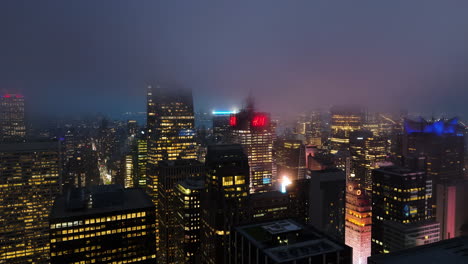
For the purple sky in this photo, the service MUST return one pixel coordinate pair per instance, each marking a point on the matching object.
(74, 56)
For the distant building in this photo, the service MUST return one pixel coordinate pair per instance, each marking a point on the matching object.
(226, 201)
(451, 251)
(29, 182)
(286, 241)
(169, 174)
(12, 121)
(367, 151)
(254, 131)
(103, 224)
(290, 159)
(344, 120)
(187, 233)
(221, 126)
(441, 142)
(401, 202)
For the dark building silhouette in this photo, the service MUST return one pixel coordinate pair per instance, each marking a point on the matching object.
(286, 241)
(226, 200)
(102, 224)
(289, 156)
(451, 251)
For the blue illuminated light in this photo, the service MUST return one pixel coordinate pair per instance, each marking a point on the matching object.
(186, 132)
(266, 180)
(439, 127)
(224, 112)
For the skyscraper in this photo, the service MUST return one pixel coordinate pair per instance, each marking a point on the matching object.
(344, 120)
(221, 126)
(102, 224)
(170, 124)
(187, 234)
(401, 209)
(327, 201)
(168, 174)
(12, 122)
(290, 159)
(225, 202)
(170, 132)
(254, 131)
(358, 223)
(367, 152)
(29, 182)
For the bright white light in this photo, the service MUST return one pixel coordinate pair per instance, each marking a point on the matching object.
(285, 181)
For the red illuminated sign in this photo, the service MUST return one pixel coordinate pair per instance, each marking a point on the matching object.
(7, 96)
(259, 120)
(233, 120)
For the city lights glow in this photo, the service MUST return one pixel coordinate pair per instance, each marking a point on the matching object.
(259, 120)
(285, 181)
(224, 112)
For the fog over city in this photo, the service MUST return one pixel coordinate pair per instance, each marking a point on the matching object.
(291, 57)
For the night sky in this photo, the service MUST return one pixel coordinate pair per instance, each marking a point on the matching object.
(90, 56)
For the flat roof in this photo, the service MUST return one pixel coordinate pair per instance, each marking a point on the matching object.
(25, 147)
(132, 198)
(399, 171)
(310, 242)
(454, 251)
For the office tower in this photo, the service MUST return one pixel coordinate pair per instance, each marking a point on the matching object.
(452, 213)
(225, 203)
(102, 224)
(132, 128)
(170, 124)
(12, 123)
(401, 203)
(141, 160)
(344, 120)
(314, 130)
(358, 222)
(447, 251)
(221, 127)
(29, 182)
(187, 205)
(290, 159)
(253, 130)
(127, 171)
(70, 144)
(441, 142)
(367, 152)
(269, 206)
(168, 174)
(286, 241)
(82, 169)
(327, 201)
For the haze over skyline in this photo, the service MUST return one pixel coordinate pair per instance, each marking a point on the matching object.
(292, 57)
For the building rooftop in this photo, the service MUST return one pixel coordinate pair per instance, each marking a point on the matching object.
(98, 200)
(193, 184)
(305, 241)
(180, 162)
(454, 251)
(29, 146)
(399, 171)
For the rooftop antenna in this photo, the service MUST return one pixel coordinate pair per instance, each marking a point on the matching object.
(250, 102)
